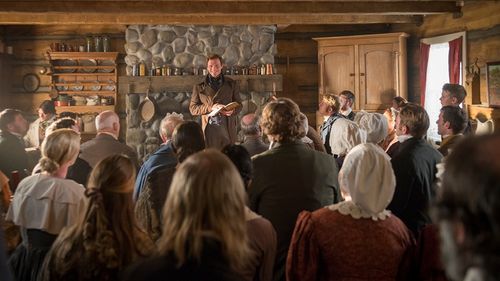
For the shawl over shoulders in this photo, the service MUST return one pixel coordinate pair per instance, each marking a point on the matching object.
(47, 203)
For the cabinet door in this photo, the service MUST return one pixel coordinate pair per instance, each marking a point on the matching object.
(337, 73)
(378, 75)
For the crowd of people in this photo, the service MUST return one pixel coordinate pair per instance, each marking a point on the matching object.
(362, 198)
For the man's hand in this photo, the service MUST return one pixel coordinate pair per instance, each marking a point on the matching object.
(217, 106)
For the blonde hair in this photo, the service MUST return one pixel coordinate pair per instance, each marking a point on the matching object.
(107, 238)
(332, 101)
(58, 148)
(206, 200)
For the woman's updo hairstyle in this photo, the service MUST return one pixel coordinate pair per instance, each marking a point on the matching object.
(60, 147)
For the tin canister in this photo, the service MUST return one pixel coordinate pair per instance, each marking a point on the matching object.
(269, 69)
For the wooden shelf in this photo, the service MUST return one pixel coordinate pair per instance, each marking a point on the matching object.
(85, 108)
(185, 83)
(82, 55)
(87, 92)
(83, 84)
(84, 74)
(85, 77)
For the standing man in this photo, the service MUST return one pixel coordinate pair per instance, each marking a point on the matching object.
(290, 177)
(414, 167)
(346, 99)
(13, 157)
(214, 93)
(454, 95)
(451, 123)
(328, 107)
(46, 116)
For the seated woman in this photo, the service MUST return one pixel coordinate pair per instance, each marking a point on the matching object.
(106, 239)
(62, 123)
(260, 231)
(45, 203)
(357, 239)
(204, 229)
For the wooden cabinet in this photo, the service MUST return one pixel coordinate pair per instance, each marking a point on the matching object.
(373, 67)
(88, 80)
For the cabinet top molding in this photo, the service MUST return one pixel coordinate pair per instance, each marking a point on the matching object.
(368, 36)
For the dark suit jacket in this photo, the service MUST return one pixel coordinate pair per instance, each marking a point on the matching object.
(204, 97)
(95, 150)
(79, 171)
(254, 145)
(12, 155)
(288, 179)
(415, 170)
(102, 146)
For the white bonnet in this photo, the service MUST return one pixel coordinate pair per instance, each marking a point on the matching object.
(345, 135)
(367, 176)
(375, 125)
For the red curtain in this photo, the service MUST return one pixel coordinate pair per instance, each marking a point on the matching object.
(424, 60)
(454, 59)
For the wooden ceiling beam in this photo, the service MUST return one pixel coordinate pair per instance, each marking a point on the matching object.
(221, 11)
(145, 18)
(206, 8)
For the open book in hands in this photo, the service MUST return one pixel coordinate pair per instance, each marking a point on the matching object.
(228, 107)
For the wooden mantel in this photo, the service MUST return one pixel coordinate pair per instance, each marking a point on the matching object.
(222, 11)
(248, 83)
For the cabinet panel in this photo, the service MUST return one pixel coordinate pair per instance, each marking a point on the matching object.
(338, 74)
(372, 66)
(378, 75)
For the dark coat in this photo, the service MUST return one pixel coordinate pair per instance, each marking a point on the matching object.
(213, 266)
(102, 146)
(79, 171)
(415, 170)
(254, 145)
(95, 150)
(288, 179)
(13, 156)
(204, 97)
(163, 156)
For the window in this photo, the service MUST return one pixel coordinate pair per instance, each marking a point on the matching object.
(438, 73)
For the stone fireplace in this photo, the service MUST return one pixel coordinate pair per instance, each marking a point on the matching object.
(186, 47)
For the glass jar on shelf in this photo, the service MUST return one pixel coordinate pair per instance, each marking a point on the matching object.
(88, 44)
(105, 44)
(97, 44)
